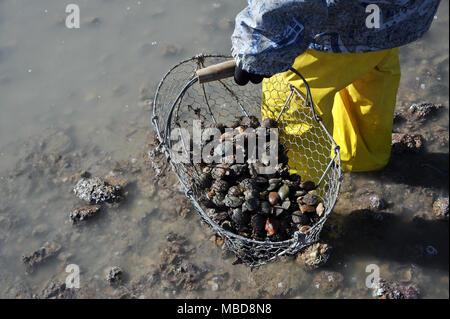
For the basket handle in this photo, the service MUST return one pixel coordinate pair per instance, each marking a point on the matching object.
(216, 72)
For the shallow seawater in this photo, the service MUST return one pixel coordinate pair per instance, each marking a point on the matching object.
(80, 99)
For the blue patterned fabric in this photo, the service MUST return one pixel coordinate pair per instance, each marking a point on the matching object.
(270, 34)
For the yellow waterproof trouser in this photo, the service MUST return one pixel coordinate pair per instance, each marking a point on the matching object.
(354, 94)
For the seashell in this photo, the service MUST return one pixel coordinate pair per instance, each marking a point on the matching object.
(272, 226)
(233, 201)
(269, 123)
(307, 209)
(240, 217)
(299, 218)
(274, 198)
(308, 199)
(252, 122)
(235, 191)
(283, 192)
(220, 186)
(304, 229)
(307, 185)
(320, 209)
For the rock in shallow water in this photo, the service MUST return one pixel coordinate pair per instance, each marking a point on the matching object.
(395, 290)
(114, 275)
(97, 190)
(48, 250)
(407, 143)
(314, 256)
(83, 213)
(327, 282)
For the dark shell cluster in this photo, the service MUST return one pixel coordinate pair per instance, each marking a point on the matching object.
(264, 207)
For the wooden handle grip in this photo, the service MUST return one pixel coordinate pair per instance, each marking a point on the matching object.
(216, 72)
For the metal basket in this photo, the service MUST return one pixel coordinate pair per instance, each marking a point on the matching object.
(179, 100)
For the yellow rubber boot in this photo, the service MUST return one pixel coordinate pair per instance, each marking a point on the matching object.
(354, 94)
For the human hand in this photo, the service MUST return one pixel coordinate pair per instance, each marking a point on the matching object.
(242, 77)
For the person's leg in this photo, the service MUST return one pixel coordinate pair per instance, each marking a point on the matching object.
(363, 115)
(327, 74)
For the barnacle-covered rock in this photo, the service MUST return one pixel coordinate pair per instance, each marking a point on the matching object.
(314, 256)
(83, 213)
(48, 250)
(97, 190)
(394, 290)
(114, 275)
(440, 208)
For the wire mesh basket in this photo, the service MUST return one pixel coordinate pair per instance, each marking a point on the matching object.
(181, 98)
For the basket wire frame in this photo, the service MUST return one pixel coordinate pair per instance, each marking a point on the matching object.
(179, 100)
